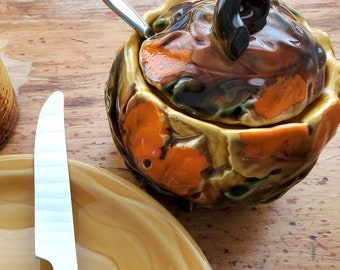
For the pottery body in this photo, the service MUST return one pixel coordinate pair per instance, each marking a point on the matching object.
(219, 131)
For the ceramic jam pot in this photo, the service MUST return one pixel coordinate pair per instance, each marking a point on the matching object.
(229, 103)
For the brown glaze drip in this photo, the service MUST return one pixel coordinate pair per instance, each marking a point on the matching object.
(283, 66)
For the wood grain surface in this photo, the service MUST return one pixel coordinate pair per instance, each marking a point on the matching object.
(69, 45)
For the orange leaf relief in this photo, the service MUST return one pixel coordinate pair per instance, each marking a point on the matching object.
(144, 130)
(161, 62)
(290, 142)
(178, 169)
(281, 96)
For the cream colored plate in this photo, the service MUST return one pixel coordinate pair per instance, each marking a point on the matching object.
(117, 226)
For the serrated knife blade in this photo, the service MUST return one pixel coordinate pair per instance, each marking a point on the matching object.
(53, 219)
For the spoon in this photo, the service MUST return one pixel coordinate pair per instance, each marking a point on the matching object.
(130, 16)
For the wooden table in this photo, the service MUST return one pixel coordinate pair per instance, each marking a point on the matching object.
(69, 45)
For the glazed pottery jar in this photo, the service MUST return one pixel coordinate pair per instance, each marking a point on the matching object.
(228, 103)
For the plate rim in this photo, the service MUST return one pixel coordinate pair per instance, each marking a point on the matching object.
(28, 161)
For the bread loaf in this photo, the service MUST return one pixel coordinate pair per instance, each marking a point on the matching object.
(8, 106)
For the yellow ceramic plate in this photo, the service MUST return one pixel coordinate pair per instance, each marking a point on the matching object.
(117, 226)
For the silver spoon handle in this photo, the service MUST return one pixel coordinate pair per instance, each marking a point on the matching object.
(130, 16)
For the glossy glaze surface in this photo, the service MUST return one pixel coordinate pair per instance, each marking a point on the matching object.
(279, 73)
(214, 163)
(117, 226)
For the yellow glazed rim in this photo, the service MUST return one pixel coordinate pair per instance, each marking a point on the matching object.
(117, 225)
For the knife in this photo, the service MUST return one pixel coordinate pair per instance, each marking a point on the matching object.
(53, 219)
